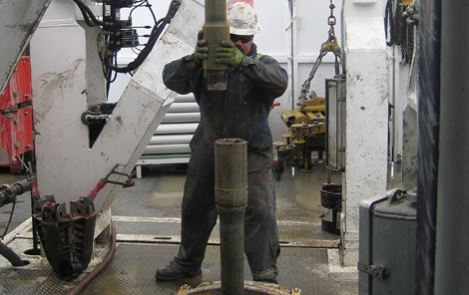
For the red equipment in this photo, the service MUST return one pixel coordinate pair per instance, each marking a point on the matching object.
(16, 118)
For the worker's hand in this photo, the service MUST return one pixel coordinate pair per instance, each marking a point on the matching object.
(201, 49)
(227, 53)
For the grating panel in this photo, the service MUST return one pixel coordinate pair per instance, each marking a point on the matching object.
(37, 277)
(133, 268)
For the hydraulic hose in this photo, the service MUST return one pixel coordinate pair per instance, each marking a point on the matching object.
(11, 256)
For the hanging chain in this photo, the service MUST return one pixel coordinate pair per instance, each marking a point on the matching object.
(330, 45)
(331, 21)
(400, 20)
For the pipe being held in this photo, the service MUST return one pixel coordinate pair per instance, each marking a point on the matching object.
(215, 30)
(231, 197)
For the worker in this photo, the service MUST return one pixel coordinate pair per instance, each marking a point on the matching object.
(241, 111)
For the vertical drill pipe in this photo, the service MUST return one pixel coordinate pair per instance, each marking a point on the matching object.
(231, 195)
(215, 30)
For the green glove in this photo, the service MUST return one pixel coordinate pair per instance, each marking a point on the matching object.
(201, 49)
(227, 53)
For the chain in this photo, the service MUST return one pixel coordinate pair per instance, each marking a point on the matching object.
(330, 45)
(331, 21)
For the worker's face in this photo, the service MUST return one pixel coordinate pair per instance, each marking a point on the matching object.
(243, 43)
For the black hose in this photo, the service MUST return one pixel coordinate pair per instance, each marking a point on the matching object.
(9, 219)
(87, 12)
(156, 32)
(14, 259)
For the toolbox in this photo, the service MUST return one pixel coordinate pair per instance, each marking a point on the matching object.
(387, 249)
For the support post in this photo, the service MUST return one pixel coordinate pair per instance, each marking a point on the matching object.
(367, 79)
(452, 212)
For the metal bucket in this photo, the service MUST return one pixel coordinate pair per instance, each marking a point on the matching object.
(331, 203)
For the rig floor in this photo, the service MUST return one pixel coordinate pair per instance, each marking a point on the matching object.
(146, 217)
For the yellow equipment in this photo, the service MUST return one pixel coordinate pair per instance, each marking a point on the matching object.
(307, 128)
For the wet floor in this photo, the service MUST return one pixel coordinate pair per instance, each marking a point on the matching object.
(159, 194)
(149, 212)
(156, 199)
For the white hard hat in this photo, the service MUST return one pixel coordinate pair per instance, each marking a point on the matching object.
(242, 19)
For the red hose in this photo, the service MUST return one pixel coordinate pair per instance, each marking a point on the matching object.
(82, 284)
(94, 192)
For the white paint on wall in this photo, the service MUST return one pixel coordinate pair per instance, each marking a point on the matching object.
(366, 121)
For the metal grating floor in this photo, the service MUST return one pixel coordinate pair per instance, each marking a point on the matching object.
(147, 218)
(37, 277)
(132, 270)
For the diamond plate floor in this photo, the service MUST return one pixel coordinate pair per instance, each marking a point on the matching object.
(150, 212)
(37, 277)
(132, 270)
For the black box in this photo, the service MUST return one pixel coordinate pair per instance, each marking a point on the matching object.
(387, 250)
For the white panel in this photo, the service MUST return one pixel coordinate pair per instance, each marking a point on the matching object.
(274, 18)
(312, 27)
(61, 153)
(318, 83)
(67, 166)
(274, 40)
(357, 33)
(18, 19)
(367, 86)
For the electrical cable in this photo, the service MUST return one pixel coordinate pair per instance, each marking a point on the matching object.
(156, 32)
(86, 17)
(151, 11)
(110, 63)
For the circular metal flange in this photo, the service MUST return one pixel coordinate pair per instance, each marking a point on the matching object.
(250, 287)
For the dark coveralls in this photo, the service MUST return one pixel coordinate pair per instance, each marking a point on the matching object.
(241, 111)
